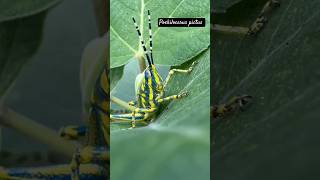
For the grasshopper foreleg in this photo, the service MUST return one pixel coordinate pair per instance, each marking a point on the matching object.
(172, 71)
(231, 105)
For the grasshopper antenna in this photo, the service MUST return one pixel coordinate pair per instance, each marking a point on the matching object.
(142, 42)
(150, 36)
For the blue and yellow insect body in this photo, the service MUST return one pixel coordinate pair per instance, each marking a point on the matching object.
(149, 88)
(96, 150)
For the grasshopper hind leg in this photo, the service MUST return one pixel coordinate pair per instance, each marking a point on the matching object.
(132, 118)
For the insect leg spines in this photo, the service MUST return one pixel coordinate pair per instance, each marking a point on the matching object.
(142, 42)
(173, 97)
(150, 36)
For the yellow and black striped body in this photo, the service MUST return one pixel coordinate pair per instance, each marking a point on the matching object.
(99, 113)
(149, 89)
(96, 150)
(149, 97)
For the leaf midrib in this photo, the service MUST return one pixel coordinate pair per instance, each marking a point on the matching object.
(141, 27)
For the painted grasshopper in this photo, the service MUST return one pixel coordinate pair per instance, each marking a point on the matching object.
(149, 88)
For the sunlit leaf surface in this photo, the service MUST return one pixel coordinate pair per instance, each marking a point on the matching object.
(274, 138)
(176, 144)
(172, 46)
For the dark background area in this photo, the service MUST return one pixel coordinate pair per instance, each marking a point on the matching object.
(276, 136)
(47, 89)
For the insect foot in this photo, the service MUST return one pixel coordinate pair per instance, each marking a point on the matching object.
(269, 6)
(218, 110)
(192, 66)
(235, 103)
(184, 94)
(243, 101)
(238, 102)
(260, 22)
(75, 163)
(257, 25)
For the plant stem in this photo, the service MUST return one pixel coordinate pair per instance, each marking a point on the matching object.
(36, 131)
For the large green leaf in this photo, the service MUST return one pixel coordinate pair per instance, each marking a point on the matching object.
(276, 137)
(10, 10)
(172, 46)
(176, 144)
(20, 36)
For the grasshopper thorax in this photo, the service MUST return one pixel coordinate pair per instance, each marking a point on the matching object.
(148, 86)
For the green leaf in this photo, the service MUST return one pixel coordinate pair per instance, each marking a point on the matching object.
(176, 144)
(19, 41)
(275, 137)
(20, 36)
(167, 50)
(15, 9)
(116, 75)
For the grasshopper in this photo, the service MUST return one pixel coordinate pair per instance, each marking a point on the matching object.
(149, 88)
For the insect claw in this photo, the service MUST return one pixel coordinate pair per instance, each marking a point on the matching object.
(237, 102)
(257, 25)
(184, 94)
(192, 66)
(245, 99)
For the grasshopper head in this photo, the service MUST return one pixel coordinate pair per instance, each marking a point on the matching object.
(151, 78)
